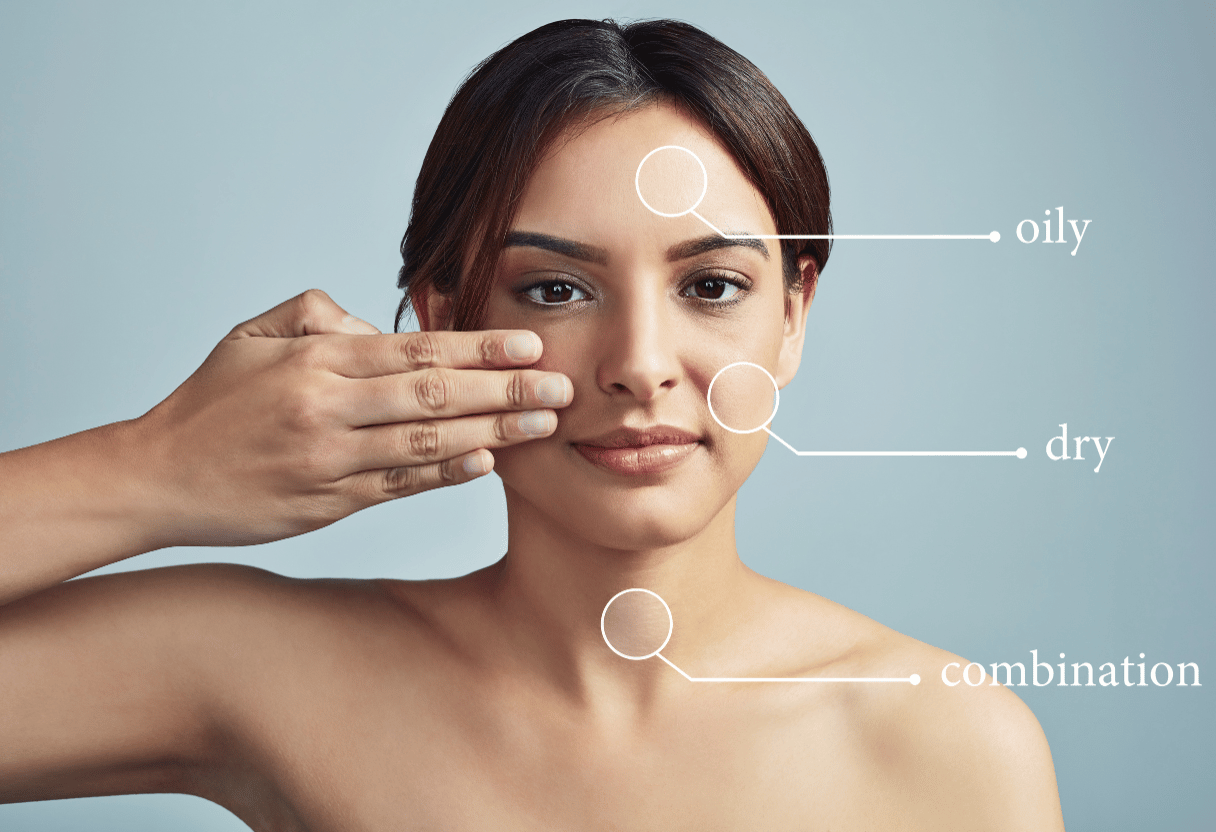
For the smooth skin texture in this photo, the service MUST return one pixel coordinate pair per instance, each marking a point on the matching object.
(491, 701)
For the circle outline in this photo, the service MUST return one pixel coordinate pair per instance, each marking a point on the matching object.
(637, 186)
(776, 398)
(671, 624)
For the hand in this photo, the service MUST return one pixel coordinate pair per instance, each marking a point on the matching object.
(304, 415)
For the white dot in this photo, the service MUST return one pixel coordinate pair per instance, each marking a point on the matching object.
(914, 678)
(776, 397)
(1021, 453)
(637, 184)
(634, 638)
(995, 236)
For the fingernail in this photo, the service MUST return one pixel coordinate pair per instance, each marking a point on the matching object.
(523, 347)
(357, 326)
(554, 391)
(475, 465)
(534, 422)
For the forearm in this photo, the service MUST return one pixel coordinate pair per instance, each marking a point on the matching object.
(73, 505)
(298, 418)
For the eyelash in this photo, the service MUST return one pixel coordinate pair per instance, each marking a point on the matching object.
(741, 285)
(529, 291)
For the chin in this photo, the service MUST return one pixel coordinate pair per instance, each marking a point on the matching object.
(634, 530)
(614, 513)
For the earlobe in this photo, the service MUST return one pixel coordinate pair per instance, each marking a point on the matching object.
(797, 306)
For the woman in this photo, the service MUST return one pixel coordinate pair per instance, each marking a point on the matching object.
(576, 333)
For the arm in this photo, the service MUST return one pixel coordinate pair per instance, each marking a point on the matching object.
(107, 684)
(296, 419)
(73, 505)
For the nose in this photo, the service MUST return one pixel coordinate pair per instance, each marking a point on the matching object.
(639, 355)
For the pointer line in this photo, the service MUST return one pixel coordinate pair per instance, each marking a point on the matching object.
(994, 236)
(914, 679)
(1020, 453)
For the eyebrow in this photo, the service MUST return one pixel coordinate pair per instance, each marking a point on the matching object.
(701, 245)
(599, 256)
(558, 245)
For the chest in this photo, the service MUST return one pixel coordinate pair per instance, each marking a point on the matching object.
(457, 759)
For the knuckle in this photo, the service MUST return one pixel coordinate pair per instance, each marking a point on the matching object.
(420, 350)
(502, 427)
(312, 303)
(314, 298)
(447, 472)
(422, 441)
(368, 489)
(433, 390)
(488, 350)
(311, 352)
(405, 478)
(517, 390)
(304, 412)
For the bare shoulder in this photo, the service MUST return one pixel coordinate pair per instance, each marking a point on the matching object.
(982, 751)
(111, 681)
(975, 756)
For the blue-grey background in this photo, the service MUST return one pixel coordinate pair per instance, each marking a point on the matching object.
(169, 170)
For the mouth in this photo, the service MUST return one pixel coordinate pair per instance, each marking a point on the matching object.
(640, 451)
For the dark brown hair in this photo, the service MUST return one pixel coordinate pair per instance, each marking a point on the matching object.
(505, 115)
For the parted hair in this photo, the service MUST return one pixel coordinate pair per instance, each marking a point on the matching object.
(571, 73)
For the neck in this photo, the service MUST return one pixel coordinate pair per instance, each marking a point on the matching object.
(552, 585)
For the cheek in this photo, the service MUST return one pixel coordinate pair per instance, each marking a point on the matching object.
(567, 349)
(742, 396)
(734, 370)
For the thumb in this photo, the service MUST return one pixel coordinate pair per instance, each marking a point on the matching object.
(311, 313)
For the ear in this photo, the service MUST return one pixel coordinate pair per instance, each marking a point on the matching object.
(797, 305)
(433, 309)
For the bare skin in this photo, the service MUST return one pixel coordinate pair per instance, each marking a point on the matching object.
(491, 701)
(295, 420)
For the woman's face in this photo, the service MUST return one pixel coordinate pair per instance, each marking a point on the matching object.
(641, 311)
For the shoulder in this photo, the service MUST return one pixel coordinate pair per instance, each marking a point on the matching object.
(116, 682)
(975, 756)
(981, 750)
(239, 632)
(223, 597)
(227, 616)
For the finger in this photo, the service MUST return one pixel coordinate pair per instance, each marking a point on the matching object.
(408, 351)
(388, 484)
(310, 313)
(443, 393)
(417, 443)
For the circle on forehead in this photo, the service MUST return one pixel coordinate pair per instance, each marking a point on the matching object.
(674, 179)
(740, 402)
(636, 624)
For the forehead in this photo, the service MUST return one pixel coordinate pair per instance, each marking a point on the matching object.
(589, 187)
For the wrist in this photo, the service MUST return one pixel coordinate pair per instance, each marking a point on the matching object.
(73, 505)
(145, 504)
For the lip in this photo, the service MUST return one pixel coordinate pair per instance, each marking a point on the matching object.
(637, 451)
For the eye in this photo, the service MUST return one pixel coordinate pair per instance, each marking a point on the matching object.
(554, 293)
(713, 289)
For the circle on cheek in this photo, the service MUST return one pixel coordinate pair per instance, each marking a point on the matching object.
(673, 178)
(636, 624)
(743, 397)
